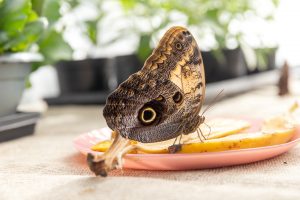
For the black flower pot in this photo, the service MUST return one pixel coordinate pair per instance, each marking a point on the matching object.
(269, 57)
(76, 76)
(272, 59)
(105, 76)
(224, 64)
(211, 66)
(235, 65)
(90, 81)
(82, 82)
(266, 60)
(125, 66)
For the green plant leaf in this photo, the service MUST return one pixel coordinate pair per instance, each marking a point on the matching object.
(51, 9)
(3, 39)
(276, 2)
(32, 16)
(144, 49)
(30, 34)
(128, 4)
(54, 48)
(213, 14)
(19, 25)
(37, 6)
(92, 30)
(13, 15)
(73, 3)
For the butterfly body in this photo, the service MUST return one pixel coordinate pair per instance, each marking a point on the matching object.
(164, 98)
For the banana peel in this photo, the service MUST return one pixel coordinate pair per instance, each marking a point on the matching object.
(215, 128)
(275, 130)
(231, 142)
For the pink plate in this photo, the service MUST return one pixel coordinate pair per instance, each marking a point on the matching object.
(185, 161)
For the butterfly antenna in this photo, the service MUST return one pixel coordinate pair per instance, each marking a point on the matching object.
(199, 135)
(202, 134)
(209, 129)
(213, 102)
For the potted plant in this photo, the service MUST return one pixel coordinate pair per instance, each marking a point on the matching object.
(198, 14)
(216, 22)
(84, 72)
(227, 20)
(57, 51)
(142, 15)
(223, 57)
(20, 29)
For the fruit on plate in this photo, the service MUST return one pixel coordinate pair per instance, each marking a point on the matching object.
(225, 135)
(215, 128)
(218, 135)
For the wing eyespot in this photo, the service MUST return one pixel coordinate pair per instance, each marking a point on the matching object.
(147, 115)
(177, 97)
(178, 46)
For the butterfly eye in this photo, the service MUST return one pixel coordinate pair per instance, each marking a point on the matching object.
(177, 97)
(147, 115)
(178, 46)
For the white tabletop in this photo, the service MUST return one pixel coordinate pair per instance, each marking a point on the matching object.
(46, 165)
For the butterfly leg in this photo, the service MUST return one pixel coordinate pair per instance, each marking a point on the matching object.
(175, 147)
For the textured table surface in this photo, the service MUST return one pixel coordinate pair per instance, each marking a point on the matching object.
(46, 165)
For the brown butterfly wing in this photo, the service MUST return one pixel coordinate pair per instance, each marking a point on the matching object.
(189, 76)
(170, 86)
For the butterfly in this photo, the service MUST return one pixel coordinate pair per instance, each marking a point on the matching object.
(163, 100)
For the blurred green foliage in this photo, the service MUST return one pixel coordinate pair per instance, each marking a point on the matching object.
(214, 15)
(20, 26)
(25, 23)
(51, 43)
(146, 10)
